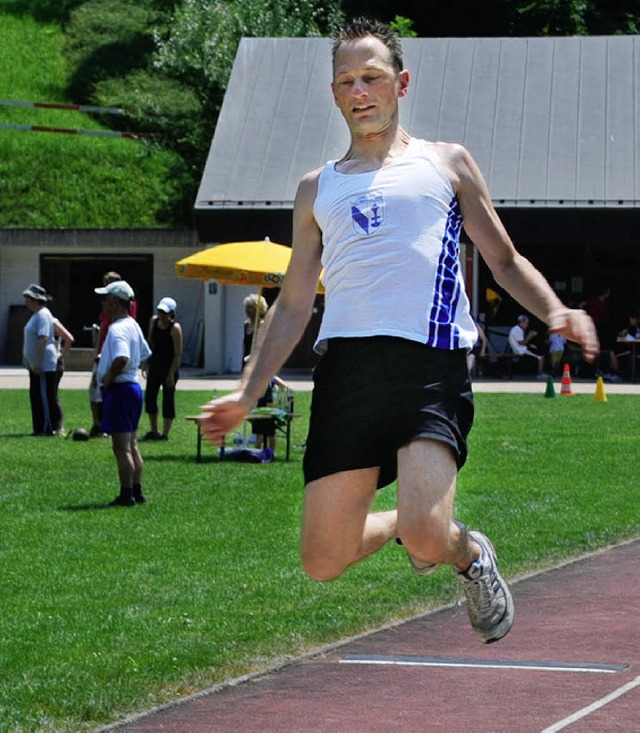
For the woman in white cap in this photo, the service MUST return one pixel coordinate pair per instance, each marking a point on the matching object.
(165, 340)
(40, 357)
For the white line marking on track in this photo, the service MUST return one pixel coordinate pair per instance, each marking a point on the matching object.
(569, 720)
(481, 663)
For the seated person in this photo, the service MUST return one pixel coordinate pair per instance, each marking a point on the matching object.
(632, 331)
(624, 352)
(520, 338)
(265, 429)
(557, 345)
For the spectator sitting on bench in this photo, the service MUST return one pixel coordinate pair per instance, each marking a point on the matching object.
(624, 352)
(265, 430)
(557, 344)
(520, 338)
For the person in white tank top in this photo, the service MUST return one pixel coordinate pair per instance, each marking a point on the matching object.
(385, 221)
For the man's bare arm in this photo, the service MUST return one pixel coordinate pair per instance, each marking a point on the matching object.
(284, 324)
(510, 269)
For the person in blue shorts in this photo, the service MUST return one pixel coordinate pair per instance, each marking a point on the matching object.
(392, 395)
(123, 352)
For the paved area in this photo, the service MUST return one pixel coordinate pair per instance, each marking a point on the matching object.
(571, 662)
(194, 379)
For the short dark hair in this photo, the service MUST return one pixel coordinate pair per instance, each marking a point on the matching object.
(363, 27)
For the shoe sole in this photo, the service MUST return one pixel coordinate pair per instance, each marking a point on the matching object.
(502, 628)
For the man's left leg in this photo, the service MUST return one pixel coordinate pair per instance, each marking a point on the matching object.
(138, 464)
(121, 443)
(427, 474)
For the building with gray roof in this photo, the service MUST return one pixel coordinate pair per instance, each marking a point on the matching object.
(552, 122)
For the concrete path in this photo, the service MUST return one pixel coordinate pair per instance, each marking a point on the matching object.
(194, 379)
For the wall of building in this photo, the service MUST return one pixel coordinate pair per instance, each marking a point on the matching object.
(223, 319)
(20, 264)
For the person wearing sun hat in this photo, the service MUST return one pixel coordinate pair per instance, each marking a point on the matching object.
(95, 397)
(40, 357)
(165, 340)
(123, 352)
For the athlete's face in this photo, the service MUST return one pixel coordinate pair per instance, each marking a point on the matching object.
(366, 87)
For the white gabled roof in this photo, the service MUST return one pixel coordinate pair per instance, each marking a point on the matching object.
(551, 121)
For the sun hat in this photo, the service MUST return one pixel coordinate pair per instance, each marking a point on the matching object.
(166, 304)
(37, 292)
(120, 288)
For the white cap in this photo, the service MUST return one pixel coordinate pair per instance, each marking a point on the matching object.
(168, 305)
(120, 288)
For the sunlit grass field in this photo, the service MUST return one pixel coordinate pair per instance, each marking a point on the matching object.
(61, 180)
(104, 611)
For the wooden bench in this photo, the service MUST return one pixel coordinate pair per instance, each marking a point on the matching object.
(497, 357)
(283, 422)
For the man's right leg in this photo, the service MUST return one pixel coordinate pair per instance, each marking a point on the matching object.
(338, 529)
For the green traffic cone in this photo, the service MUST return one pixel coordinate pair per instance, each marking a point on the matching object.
(550, 391)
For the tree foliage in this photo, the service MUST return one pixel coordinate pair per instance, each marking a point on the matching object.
(403, 27)
(473, 18)
(168, 61)
(204, 35)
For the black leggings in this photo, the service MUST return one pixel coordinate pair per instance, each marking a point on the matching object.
(45, 408)
(156, 378)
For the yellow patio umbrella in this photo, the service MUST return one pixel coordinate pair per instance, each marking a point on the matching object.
(262, 263)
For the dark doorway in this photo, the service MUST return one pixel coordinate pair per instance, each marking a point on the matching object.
(578, 251)
(71, 280)
(303, 357)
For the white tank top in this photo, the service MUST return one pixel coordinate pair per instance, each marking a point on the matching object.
(391, 254)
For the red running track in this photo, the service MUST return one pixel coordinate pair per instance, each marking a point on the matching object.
(571, 663)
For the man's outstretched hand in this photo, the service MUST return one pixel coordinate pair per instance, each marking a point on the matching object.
(220, 416)
(575, 325)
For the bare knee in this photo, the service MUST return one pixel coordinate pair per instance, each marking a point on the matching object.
(435, 542)
(320, 567)
(431, 547)
(429, 538)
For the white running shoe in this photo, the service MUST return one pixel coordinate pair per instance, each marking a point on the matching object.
(489, 600)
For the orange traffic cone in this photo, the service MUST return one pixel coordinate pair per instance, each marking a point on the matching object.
(600, 395)
(566, 381)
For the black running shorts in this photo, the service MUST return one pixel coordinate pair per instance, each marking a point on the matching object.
(374, 395)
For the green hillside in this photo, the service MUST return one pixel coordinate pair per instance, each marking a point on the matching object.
(57, 180)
